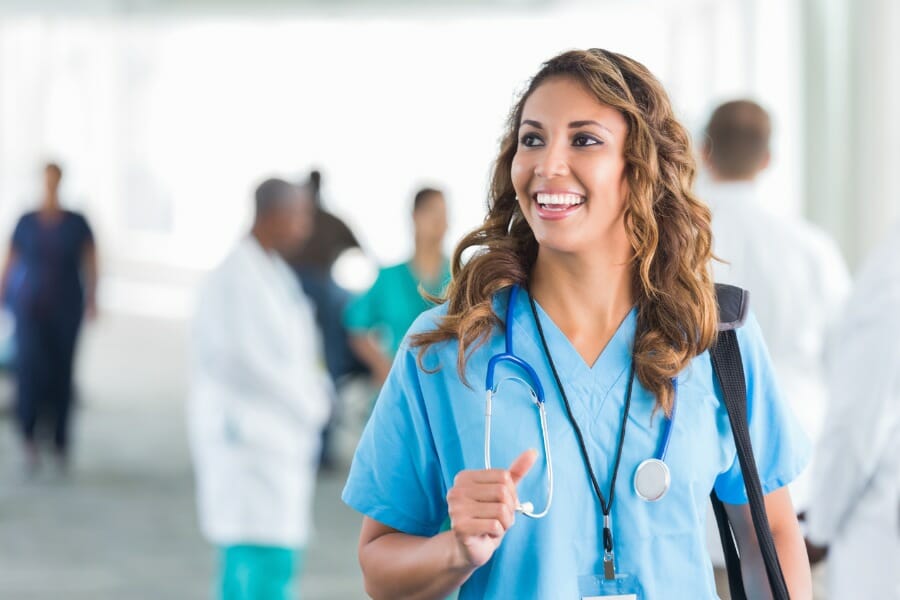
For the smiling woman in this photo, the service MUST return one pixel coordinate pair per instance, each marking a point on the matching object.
(592, 217)
(599, 126)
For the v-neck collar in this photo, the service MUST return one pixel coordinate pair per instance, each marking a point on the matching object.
(608, 368)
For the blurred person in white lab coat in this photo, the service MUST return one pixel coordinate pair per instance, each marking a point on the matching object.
(797, 278)
(259, 398)
(794, 271)
(855, 501)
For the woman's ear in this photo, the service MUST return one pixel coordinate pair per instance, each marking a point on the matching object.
(705, 152)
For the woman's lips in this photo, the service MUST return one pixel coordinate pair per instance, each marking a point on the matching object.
(554, 207)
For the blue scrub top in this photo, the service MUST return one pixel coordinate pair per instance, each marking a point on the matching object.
(426, 427)
(49, 257)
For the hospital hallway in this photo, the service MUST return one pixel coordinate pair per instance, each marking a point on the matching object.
(123, 524)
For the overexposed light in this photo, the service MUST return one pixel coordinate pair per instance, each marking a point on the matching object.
(165, 125)
(354, 270)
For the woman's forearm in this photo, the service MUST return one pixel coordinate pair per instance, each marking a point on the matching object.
(788, 545)
(794, 565)
(368, 351)
(399, 566)
(4, 273)
(794, 561)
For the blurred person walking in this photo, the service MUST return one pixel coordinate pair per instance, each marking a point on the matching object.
(259, 398)
(794, 271)
(313, 262)
(378, 319)
(855, 501)
(54, 257)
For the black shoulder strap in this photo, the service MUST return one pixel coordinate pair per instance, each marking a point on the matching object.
(734, 304)
(727, 365)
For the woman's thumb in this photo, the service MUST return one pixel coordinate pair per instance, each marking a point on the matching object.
(520, 467)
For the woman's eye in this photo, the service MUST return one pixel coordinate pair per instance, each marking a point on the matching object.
(585, 140)
(529, 140)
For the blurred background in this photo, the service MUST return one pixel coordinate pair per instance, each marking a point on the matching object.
(166, 114)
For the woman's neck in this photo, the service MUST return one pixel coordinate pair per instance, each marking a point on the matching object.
(587, 297)
(50, 204)
(428, 260)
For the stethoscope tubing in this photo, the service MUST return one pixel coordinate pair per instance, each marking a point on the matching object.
(538, 397)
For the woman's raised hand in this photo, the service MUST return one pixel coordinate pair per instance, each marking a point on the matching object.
(482, 507)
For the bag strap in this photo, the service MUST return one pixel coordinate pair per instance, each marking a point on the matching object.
(729, 548)
(729, 369)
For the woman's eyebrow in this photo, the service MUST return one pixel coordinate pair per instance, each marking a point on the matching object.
(572, 125)
(575, 124)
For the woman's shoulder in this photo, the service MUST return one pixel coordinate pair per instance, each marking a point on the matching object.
(750, 335)
(28, 217)
(429, 320)
(75, 216)
(24, 226)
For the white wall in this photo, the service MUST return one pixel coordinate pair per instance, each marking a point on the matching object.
(165, 123)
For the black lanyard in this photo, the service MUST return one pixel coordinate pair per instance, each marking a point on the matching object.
(605, 507)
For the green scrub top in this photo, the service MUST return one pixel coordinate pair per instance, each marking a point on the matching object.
(393, 303)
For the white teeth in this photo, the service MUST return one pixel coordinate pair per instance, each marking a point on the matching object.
(559, 199)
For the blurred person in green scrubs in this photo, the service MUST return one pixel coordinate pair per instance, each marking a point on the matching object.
(378, 319)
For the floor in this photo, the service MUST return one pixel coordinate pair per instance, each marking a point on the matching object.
(122, 525)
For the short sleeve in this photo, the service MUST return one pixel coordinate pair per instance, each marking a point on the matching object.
(361, 313)
(87, 234)
(396, 477)
(19, 234)
(780, 446)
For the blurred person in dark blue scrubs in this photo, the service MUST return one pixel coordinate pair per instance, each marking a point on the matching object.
(313, 262)
(53, 251)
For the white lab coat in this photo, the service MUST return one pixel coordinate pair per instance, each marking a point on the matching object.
(258, 400)
(798, 282)
(855, 505)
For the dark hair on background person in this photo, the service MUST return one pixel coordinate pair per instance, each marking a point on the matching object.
(271, 193)
(55, 168)
(667, 226)
(423, 196)
(737, 139)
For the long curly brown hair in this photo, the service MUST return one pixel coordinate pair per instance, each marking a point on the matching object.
(667, 226)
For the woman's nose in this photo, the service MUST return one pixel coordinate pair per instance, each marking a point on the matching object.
(552, 162)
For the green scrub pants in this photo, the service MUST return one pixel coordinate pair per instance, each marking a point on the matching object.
(248, 572)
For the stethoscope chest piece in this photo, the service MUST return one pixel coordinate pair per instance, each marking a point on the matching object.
(652, 479)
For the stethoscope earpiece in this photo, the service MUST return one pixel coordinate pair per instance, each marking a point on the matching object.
(525, 508)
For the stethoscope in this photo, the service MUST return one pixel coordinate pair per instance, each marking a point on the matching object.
(536, 391)
(652, 477)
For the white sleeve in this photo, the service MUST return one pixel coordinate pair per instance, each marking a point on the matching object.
(865, 393)
(837, 282)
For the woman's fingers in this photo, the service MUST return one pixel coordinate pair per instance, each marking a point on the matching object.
(482, 506)
(493, 492)
(504, 513)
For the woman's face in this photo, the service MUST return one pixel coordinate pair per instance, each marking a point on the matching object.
(430, 219)
(569, 166)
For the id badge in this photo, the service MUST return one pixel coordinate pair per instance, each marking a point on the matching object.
(597, 587)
